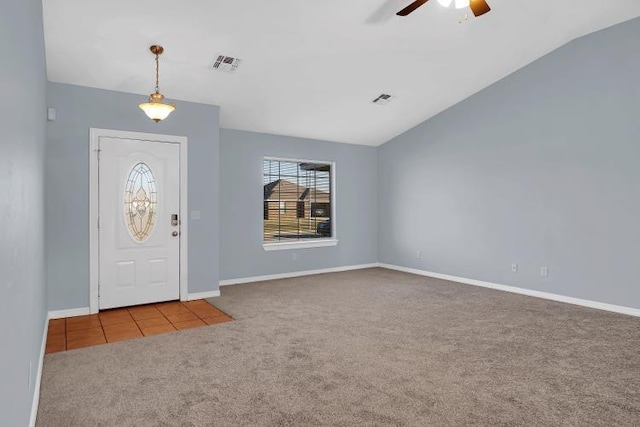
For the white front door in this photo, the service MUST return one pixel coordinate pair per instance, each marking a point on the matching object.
(139, 231)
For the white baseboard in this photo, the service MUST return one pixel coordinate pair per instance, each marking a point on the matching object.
(36, 386)
(203, 295)
(72, 312)
(522, 291)
(229, 282)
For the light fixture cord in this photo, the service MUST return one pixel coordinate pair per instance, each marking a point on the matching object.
(157, 84)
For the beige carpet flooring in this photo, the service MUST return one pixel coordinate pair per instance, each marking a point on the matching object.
(369, 347)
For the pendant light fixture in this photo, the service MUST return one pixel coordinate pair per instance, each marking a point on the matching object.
(156, 109)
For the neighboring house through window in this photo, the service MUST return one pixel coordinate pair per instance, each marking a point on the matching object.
(297, 204)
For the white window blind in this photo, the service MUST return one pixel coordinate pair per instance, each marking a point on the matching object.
(297, 201)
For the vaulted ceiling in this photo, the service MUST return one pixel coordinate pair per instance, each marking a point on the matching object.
(312, 68)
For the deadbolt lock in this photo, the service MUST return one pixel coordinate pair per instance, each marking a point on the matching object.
(174, 220)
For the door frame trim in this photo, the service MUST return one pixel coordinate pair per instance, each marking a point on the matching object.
(94, 237)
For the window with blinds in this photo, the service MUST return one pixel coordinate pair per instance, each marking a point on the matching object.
(297, 201)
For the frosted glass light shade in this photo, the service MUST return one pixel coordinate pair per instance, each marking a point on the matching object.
(461, 4)
(155, 109)
(445, 3)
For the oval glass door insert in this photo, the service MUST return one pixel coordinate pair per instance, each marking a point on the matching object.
(140, 202)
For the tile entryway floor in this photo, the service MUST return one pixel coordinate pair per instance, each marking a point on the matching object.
(127, 323)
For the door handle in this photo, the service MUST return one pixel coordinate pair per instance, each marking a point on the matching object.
(175, 233)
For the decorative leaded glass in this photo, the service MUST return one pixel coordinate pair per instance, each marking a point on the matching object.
(140, 200)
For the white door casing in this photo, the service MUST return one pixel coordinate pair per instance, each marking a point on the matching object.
(136, 256)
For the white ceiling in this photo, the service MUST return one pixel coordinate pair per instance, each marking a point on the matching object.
(311, 68)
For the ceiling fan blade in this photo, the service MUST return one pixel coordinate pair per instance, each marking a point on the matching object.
(479, 7)
(413, 6)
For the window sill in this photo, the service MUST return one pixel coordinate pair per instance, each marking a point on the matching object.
(299, 245)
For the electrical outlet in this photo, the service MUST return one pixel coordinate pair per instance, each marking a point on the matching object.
(295, 256)
(514, 267)
(195, 215)
(419, 254)
(544, 271)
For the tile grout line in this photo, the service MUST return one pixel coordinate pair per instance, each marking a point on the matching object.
(167, 319)
(104, 334)
(196, 314)
(202, 318)
(136, 323)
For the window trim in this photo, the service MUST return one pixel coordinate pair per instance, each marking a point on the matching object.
(316, 243)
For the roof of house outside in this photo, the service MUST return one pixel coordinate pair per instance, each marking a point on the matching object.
(282, 189)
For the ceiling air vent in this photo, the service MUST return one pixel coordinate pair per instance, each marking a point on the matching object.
(383, 99)
(226, 64)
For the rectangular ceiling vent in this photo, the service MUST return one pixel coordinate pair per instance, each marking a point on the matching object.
(383, 99)
(226, 64)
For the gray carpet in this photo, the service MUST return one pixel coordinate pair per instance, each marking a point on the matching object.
(368, 347)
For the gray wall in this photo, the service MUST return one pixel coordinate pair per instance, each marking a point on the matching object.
(67, 186)
(540, 169)
(241, 204)
(22, 140)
